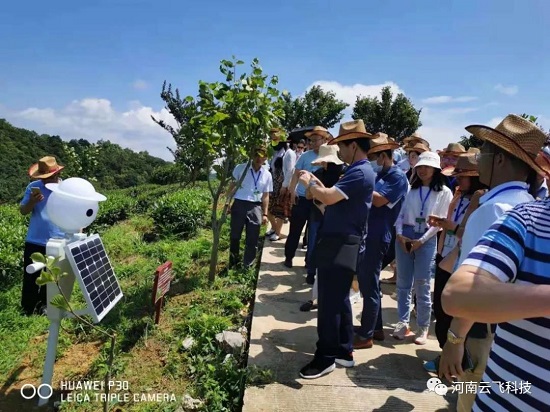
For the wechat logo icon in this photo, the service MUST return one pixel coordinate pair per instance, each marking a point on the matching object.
(435, 385)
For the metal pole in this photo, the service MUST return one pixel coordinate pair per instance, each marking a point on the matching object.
(53, 338)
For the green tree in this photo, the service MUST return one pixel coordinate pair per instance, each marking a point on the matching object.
(398, 117)
(316, 108)
(189, 155)
(470, 141)
(231, 118)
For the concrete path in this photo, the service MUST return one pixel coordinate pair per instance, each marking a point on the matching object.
(388, 377)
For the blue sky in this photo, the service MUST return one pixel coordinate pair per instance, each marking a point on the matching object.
(95, 69)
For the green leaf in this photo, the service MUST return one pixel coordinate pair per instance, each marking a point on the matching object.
(219, 116)
(59, 302)
(38, 258)
(50, 260)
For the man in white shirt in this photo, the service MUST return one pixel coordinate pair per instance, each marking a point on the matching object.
(507, 167)
(250, 205)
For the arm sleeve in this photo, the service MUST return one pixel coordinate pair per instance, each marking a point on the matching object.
(441, 209)
(26, 196)
(351, 184)
(289, 162)
(502, 248)
(393, 189)
(400, 217)
(237, 172)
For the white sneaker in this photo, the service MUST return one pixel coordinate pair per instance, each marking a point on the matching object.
(401, 330)
(270, 232)
(274, 236)
(421, 336)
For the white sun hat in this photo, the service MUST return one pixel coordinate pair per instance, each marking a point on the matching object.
(76, 188)
(431, 159)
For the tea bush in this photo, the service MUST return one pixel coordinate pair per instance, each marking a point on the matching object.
(181, 213)
(13, 230)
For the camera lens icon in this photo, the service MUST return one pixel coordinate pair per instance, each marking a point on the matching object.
(29, 391)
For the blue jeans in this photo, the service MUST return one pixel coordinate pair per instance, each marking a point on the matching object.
(311, 239)
(414, 269)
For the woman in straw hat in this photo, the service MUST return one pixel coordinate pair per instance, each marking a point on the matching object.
(416, 244)
(508, 167)
(340, 245)
(41, 229)
(467, 176)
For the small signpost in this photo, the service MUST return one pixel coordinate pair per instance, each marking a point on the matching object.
(163, 277)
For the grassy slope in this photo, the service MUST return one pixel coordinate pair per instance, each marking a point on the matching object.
(150, 358)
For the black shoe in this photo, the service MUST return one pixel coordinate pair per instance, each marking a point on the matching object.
(288, 263)
(345, 360)
(309, 305)
(317, 368)
(310, 279)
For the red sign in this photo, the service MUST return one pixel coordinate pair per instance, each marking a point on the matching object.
(163, 277)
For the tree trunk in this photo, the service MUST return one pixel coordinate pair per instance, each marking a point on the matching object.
(216, 232)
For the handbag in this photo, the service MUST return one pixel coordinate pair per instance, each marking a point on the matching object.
(341, 251)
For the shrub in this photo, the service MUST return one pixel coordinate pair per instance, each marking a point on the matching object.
(116, 208)
(13, 230)
(181, 213)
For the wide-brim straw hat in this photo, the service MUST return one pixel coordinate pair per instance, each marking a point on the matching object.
(543, 160)
(473, 150)
(351, 130)
(414, 136)
(429, 159)
(452, 149)
(418, 147)
(466, 165)
(328, 154)
(381, 142)
(517, 136)
(46, 167)
(318, 130)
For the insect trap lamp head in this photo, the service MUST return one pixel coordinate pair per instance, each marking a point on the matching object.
(73, 204)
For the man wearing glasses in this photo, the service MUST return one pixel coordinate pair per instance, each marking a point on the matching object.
(301, 206)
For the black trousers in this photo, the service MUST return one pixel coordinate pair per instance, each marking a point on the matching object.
(334, 316)
(442, 320)
(33, 297)
(298, 218)
(248, 216)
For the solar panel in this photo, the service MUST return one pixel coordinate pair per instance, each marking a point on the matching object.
(95, 275)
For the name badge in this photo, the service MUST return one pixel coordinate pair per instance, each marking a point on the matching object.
(420, 225)
(257, 196)
(450, 239)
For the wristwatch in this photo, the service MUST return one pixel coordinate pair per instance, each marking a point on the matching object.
(455, 340)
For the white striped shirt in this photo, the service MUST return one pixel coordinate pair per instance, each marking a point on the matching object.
(517, 249)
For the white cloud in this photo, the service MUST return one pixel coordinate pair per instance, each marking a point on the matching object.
(508, 90)
(140, 84)
(440, 126)
(95, 119)
(448, 99)
(349, 93)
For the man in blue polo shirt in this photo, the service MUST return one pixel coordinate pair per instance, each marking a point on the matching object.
(341, 241)
(41, 229)
(389, 192)
(302, 206)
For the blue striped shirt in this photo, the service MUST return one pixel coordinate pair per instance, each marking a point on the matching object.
(517, 249)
